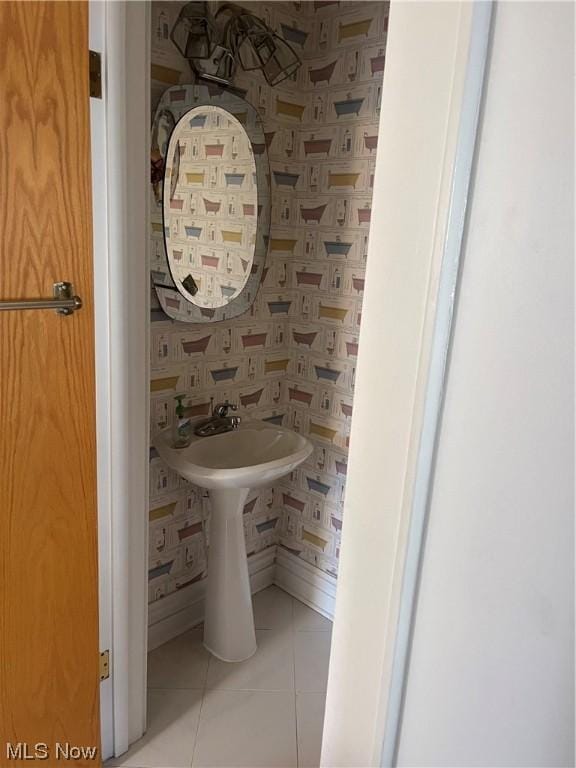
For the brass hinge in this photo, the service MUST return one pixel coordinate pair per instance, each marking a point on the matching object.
(95, 75)
(104, 665)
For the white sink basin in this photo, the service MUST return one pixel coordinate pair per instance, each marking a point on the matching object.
(229, 465)
(255, 454)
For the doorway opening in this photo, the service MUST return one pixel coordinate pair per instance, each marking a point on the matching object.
(290, 572)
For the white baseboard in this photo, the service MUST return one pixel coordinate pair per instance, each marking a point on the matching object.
(180, 611)
(304, 582)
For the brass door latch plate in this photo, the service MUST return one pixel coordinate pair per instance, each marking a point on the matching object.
(95, 75)
(104, 665)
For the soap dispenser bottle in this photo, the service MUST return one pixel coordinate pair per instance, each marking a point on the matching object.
(182, 428)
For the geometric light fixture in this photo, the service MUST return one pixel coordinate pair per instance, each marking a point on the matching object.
(215, 44)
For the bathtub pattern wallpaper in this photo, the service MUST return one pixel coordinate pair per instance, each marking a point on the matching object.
(291, 358)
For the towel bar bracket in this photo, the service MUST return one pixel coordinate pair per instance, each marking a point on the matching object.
(64, 302)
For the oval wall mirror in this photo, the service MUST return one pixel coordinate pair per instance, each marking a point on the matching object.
(211, 219)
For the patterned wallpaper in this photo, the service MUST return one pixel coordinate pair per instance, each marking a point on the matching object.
(292, 357)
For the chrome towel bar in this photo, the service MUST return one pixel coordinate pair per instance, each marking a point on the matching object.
(64, 301)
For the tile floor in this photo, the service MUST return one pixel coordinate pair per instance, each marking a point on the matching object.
(266, 712)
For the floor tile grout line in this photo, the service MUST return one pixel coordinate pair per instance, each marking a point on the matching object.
(293, 632)
(253, 690)
(195, 745)
(257, 690)
(175, 688)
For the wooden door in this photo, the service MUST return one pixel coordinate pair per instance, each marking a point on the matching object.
(49, 682)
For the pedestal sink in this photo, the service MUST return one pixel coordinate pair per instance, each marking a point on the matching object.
(229, 465)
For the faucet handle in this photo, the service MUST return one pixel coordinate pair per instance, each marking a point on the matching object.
(221, 410)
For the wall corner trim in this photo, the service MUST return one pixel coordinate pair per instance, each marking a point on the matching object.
(464, 150)
(427, 134)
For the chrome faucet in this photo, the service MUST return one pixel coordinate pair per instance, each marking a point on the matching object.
(219, 422)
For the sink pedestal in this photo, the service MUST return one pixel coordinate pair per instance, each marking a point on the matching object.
(229, 621)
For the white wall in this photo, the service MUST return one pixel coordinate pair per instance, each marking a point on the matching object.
(491, 675)
(422, 101)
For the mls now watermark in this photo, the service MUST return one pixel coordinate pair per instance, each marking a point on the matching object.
(41, 751)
